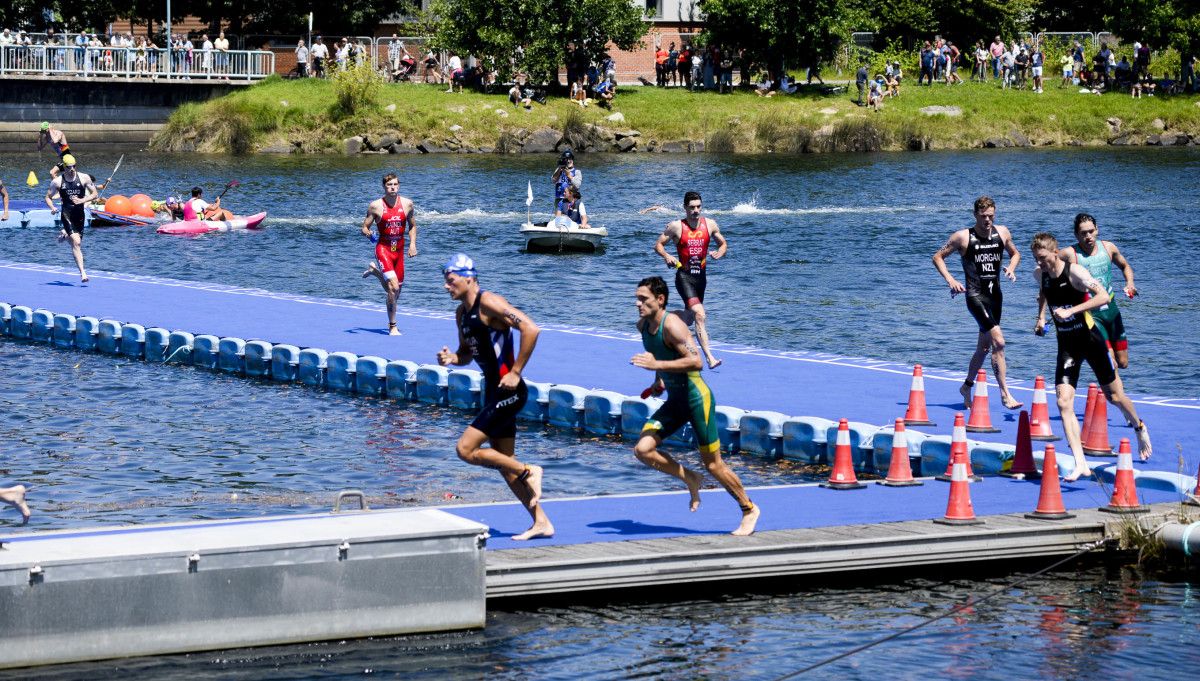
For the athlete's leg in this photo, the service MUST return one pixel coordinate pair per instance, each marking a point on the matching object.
(1000, 368)
(698, 313)
(1115, 392)
(1065, 392)
(15, 497)
(523, 488)
(76, 240)
(717, 468)
(647, 452)
(982, 345)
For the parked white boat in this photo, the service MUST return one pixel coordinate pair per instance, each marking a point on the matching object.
(561, 234)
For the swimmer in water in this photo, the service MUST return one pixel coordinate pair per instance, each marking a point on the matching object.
(655, 209)
(15, 497)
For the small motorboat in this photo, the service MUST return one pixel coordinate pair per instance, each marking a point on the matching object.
(206, 226)
(562, 234)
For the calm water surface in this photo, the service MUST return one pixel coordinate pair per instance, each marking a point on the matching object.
(827, 253)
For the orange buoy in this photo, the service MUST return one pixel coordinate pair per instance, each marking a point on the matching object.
(118, 205)
(140, 204)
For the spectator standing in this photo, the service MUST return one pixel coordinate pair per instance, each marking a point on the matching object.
(319, 54)
(726, 80)
(571, 60)
(1101, 65)
(302, 53)
(670, 77)
(952, 77)
(979, 69)
(454, 73)
(1068, 71)
(927, 62)
(1021, 61)
(860, 81)
(1036, 61)
(939, 60)
(189, 53)
(206, 56)
(660, 66)
(395, 52)
(997, 50)
(1141, 62)
(432, 66)
(221, 61)
(683, 64)
(1077, 60)
(342, 54)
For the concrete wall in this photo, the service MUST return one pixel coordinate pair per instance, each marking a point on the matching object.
(100, 100)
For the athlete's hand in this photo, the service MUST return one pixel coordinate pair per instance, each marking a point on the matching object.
(956, 288)
(1008, 272)
(715, 255)
(412, 251)
(373, 237)
(1039, 328)
(78, 201)
(1063, 313)
(644, 360)
(53, 210)
(672, 263)
(655, 389)
(445, 357)
(510, 381)
(1130, 289)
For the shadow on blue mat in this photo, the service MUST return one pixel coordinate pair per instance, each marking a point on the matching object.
(363, 329)
(634, 527)
(62, 283)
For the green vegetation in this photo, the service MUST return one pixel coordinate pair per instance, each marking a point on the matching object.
(308, 112)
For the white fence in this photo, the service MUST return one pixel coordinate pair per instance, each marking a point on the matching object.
(134, 62)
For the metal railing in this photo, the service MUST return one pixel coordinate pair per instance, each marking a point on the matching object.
(135, 62)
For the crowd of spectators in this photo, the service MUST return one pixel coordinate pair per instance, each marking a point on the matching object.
(710, 67)
(117, 54)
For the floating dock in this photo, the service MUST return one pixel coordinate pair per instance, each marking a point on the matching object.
(774, 404)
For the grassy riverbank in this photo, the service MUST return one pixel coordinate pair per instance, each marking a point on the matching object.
(280, 115)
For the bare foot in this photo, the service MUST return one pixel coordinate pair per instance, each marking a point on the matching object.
(713, 362)
(83, 278)
(392, 330)
(538, 530)
(1079, 472)
(534, 480)
(965, 391)
(749, 520)
(372, 271)
(693, 480)
(1143, 436)
(15, 497)
(1010, 402)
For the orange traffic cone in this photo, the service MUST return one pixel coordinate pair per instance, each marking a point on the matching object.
(1022, 461)
(1095, 424)
(1050, 503)
(900, 470)
(842, 476)
(981, 418)
(959, 510)
(916, 415)
(1039, 417)
(1195, 500)
(1124, 497)
(958, 444)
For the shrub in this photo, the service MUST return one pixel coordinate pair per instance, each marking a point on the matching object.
(356, 90)
(722, 141)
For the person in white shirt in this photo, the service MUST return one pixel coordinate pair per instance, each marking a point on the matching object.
(319, 54)
(206, 55)
(301, 59)
(454, 73)
(221, 61)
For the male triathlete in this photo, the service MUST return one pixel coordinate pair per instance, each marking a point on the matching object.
(393, 215)
(1098, 257)
(672, 355)
(1066, 289)
(76, 190)
(57, 140)
(982, 248)
(485, 323)
(691, 237)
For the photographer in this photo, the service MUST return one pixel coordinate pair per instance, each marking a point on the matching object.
(566, 174)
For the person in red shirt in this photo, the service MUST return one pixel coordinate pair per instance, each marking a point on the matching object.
(691, 237)
(393, 216)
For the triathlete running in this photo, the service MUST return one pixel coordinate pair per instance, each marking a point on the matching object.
(691, 237)
(393, 215)
(76, 190)
(1098, 257)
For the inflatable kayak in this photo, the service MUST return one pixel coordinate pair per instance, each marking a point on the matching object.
(206, 226)
(103, 218)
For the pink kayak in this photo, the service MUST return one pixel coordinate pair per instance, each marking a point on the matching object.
(206, 226)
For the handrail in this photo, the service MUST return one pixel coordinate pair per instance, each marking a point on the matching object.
(135, 62)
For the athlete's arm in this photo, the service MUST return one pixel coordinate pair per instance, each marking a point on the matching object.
(714, 231)
(42, 139)
(461, 356)
(953, 245)
(676, 336)
(1126, 269)
(1039, 327)
(50, 193)
(1014, 255)
(89, 193)
(4, 194)
(412, 228)
(1083, 280)
(497, 310)
(669, 234)
(369, 221)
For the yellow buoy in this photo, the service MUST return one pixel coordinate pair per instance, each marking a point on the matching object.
(32, 180)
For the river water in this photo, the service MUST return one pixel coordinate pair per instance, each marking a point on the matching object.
(827, 253)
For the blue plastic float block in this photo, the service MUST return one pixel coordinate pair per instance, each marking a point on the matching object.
(312, 367)
(41, 218)
(762, 432)
(206, 351)
(935, 454)
(108, 337)
(602, 412)
(339, 371)
(41, 326)
(401, 379)
(990, 458)
(179, 347)
(5, 318)
(729, 421)
(231, 353)
(1065, 461)
(156, 343)
(803, 439)
(861, 448)
(370, 376)
(538, 403)
(63, 335)
(635, 411)
(133, 340)
(21, 324)
(565, 409)
(285, 362)
(432, 384)
(464, 389)
(87, 330)
(257, 358)
(882, 450)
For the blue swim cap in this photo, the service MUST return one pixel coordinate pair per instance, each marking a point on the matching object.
(460, 264)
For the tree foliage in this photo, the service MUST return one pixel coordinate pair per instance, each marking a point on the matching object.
(775, 35)
(530, 36)
(914, 21)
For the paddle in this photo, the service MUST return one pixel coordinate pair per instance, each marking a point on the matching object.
(110, 175)
(229, 185)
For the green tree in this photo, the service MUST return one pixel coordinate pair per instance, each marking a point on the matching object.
(775, 35)
(914, 21)
(1159, 23)
(530, 36)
